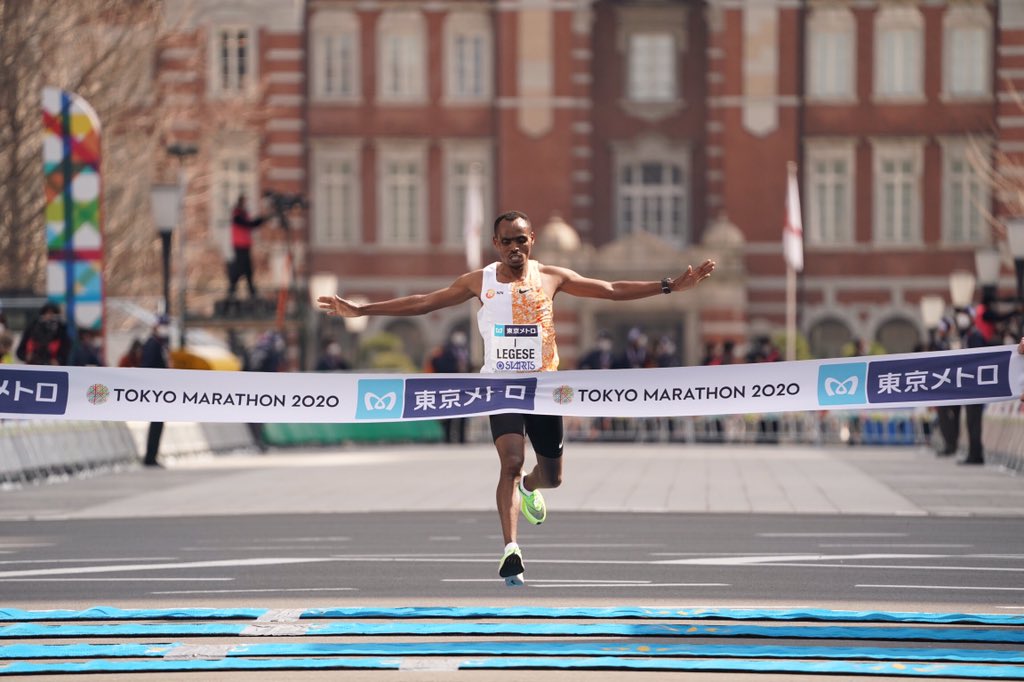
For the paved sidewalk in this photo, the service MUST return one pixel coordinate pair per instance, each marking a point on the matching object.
(606, 477)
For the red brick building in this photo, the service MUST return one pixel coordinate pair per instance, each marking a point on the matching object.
(658, 130)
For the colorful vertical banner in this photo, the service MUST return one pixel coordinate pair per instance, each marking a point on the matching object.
(74, 229)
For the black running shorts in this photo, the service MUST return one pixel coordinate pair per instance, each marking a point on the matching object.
(545, 430)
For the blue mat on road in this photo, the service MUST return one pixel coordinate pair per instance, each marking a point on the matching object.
(623, 613)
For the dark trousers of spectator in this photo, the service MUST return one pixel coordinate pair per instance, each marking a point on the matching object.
(949, 427)
(975, 450)
(454, 430)
(156, 429)
(241, 267)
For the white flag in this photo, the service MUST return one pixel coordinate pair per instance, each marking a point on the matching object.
(474, 216)
(793, 230)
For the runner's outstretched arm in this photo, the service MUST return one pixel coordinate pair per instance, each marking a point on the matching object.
(460, 291)
(577, 285)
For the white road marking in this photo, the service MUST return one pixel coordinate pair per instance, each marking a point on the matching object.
(545, 580)
(748, 560)
(445, 538)
(111, 580)
(269, 589)
(86, 561)
(832, 535)
(263, 561)
(641, 585)
(854, 545)
(949, 587)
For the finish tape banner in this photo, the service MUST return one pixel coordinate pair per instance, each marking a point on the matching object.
(979, 375)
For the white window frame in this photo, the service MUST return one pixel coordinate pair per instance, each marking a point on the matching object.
(907, 187)
(475, 26)
(899, 77)
(831, 55)
(336, 191)
(823, 226)
(411, 218)
(402, 82)
(643, 84)
(235, 170)
(637, 201)
(458, 156)
(330, 29)
(236, 88)
(966, 73)
(966, 196)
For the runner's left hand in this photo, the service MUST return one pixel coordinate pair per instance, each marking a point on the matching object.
(691, 277)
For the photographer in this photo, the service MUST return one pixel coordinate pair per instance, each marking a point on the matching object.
(241, 241)
(46, 341)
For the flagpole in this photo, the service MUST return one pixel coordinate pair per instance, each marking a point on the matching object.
(471, 233)
(790, 312)
(792, 248)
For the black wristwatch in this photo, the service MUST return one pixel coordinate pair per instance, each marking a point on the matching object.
(666, 285)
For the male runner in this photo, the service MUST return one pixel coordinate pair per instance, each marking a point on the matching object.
(517, 290)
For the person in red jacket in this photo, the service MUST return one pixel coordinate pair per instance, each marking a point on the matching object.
(241, 241)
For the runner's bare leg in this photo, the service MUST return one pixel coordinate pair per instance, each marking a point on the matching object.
(546, 474)
(511, 455)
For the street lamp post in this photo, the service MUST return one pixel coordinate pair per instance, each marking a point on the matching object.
(987, 266)
(182, 151)
(1015, 241)
(932, 308)
(961, 294)
(166, 201)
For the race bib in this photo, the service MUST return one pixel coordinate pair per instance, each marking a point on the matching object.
(516, 348)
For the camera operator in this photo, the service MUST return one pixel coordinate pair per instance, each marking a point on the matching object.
(46, 341)
(241, 241)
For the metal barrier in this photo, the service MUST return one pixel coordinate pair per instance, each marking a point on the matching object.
(1002, 434)
(31, 450)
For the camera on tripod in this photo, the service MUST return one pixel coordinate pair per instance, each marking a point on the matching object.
(283, 202)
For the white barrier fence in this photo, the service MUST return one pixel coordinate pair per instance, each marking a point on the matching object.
(34, 450)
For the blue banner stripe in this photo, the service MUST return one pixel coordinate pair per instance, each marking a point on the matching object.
(830, 615)
(590, 663)
(505, 648)
(26, 630)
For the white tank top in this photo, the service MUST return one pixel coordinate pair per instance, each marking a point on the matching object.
(516, 321)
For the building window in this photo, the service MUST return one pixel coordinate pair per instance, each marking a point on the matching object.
(652, 191)
(233, 60)
(827, 338)
(336, 207)
(468, 56)
(828, 191)
(402, 194)
(459, 158)
(652, 67)
(899, 44)
(966, 196)
(967, 52)
(898, 335)
(897, 196)
(234, 175)
(335, 51)
(402, 57)
(831, 38)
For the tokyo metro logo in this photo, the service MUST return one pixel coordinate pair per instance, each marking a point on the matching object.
(380, 399)
(842, 384)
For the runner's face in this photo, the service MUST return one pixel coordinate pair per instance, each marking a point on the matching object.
(513, 242)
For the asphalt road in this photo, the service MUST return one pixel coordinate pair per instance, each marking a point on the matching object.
(655, 525)
(431, 557)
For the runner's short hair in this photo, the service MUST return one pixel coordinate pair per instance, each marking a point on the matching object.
(510, 216)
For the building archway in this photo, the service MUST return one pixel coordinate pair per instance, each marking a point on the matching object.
(827, 336)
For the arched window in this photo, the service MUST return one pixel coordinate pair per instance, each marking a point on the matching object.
(831, 45)
(468, 60)
(402, 57)
(898, 335)
(827, 338)
(899, 48)
(334, 50)
(967, 52)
